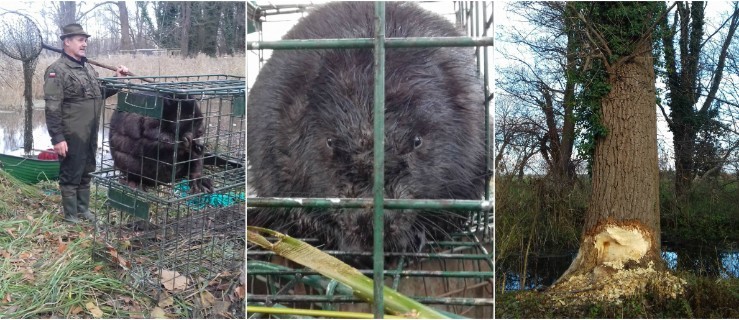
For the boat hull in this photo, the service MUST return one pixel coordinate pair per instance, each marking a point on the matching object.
(29, 170)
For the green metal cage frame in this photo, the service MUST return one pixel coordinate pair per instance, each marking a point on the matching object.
(468, 15)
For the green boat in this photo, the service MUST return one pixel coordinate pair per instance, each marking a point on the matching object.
(29, 169)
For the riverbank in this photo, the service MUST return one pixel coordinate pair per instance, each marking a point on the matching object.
(538, 227)
(704, 298)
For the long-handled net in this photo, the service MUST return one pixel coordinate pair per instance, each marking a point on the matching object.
(21, 39)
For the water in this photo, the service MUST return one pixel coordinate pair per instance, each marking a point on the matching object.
(542, 271)
(11, 131)
(12, 128)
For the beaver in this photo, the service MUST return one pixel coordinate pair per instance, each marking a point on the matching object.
(310, 124)
(143, 147)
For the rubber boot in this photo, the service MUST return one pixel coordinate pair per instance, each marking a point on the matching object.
(83, 204)
(69, 203)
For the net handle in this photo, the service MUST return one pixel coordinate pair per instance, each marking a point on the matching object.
(93, 62)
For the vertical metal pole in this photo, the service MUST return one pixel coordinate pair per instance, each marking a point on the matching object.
(486, 81)
(379, 158)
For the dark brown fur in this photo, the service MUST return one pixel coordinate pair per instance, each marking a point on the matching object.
(143, 147)
(310, 128)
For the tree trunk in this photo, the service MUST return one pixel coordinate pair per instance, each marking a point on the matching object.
(621, 236)
(126, 43)
(684, 137)
(186, 22)
(67, 13)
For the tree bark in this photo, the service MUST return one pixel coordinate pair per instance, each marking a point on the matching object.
(186, 22)
(126, 43)
(67, 13)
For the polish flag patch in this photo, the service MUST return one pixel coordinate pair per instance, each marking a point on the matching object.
(52, 75)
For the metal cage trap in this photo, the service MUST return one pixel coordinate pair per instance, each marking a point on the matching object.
(172, 178)
(454, 275)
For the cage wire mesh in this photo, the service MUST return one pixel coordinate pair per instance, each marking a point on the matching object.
(172, 176)
(454, 275)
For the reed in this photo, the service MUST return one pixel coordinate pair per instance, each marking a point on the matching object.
(11, 79)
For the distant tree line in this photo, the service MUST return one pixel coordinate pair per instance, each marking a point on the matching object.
(213, 28)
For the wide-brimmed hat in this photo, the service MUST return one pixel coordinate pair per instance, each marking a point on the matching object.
(73, 29)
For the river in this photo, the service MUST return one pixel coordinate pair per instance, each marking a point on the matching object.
(542, 270)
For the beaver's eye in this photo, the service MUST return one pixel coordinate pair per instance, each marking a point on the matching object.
(417, 142)
(330, 143)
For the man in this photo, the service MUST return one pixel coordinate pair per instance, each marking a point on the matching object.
(74, 102)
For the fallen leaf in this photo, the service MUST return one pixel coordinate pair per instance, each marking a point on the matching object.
(158, 313)
(166, 302)
(94, 310)
(207, 299)
(241, 292)
(97, 268)
(173, 280)
(24, 255)
(62, 247)
(125, 264)
(76, 310)
(10, 232)
(7, 298)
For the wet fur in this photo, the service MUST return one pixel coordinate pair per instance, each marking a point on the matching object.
(143, 147)
(302, 98)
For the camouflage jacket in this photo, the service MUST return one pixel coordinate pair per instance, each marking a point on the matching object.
(74, 99)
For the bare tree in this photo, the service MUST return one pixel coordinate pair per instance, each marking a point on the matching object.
(548, 85)
(692, 103)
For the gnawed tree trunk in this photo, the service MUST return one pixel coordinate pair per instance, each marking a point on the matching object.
(620, 248)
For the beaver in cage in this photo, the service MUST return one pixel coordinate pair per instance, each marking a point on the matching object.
(149, 151)
(310, 125)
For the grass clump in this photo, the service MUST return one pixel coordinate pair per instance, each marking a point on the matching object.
(47, 269)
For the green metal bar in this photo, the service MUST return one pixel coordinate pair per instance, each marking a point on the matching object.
(424, 300)
(359, 203)
(459, 256)
(402, 273)
(378, 189)
(366, 43)
(310, 278)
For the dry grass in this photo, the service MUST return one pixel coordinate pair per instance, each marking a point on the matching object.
(11, 79)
